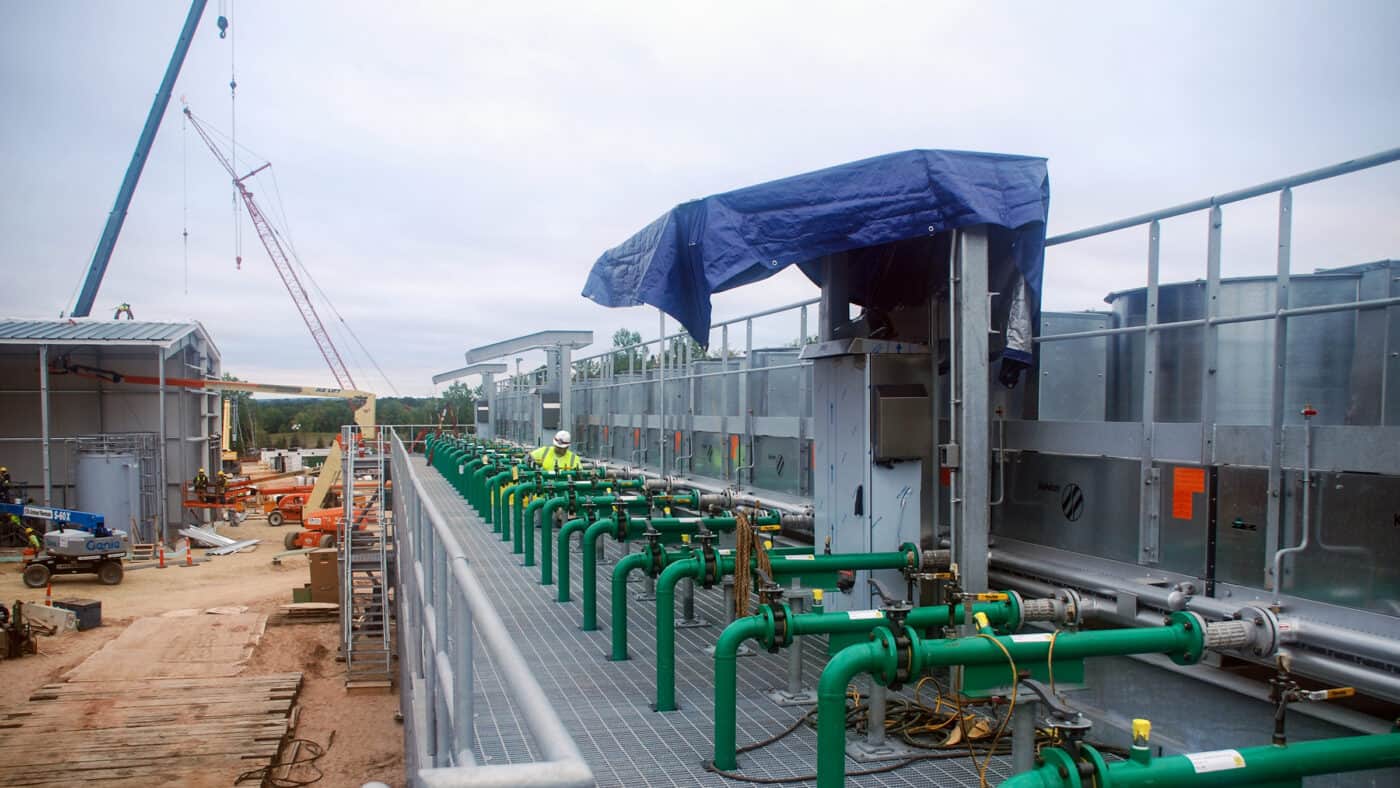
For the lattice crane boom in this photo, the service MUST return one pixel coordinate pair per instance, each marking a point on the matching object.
(281, 262)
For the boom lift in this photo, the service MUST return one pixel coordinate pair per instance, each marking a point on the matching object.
(83, 544)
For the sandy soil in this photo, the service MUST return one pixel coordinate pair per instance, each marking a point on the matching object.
(368, 741)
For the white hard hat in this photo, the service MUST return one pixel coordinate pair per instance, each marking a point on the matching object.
(562, 439)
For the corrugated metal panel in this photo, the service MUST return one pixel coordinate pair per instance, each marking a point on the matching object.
(83, 331)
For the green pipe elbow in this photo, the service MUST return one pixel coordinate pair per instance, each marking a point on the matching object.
(831, 708)
(693, 568)
(607, 526)
(625, 566)
(726, 684)
(569, 529)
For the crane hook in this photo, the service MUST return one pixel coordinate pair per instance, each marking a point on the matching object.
(223, 27)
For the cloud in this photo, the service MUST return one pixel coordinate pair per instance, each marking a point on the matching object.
(449, 172)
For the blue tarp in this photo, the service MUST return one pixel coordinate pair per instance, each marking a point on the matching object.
(727, 240)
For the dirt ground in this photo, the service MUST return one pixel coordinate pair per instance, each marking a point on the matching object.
(368, 741)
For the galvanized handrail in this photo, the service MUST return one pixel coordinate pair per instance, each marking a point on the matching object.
(1302, 178)
(443, 610)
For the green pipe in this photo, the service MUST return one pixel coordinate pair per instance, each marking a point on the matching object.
(1183, 640)
(619, 611)
(694, 568)
(626, 566)
(503, 506)
(763, 628)
(493, 487)
(552, 490)
(1268, 765)
(476, 482)
(569, 529)
(547, 536)
(637, 527)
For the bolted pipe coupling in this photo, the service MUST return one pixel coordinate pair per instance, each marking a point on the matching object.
(935, 560)
(1228, 635)
(800, 522)
(716, 501)
(1042, 610)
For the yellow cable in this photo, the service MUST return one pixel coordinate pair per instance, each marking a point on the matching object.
(1011, 709)
(1050, 658)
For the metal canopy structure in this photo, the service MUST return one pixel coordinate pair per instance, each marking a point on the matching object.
(557, 344)
(570, 340)
(488, 372)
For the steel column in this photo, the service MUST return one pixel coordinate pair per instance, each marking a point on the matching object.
(1150, 503)
(1210, 345)
(1274, 506)
(162, 505)
(44, 419)
(661, 394)
(974, 311)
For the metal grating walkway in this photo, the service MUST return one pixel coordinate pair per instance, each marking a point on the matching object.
(606, 705)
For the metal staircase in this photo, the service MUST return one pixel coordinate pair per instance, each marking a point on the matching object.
(366, 604)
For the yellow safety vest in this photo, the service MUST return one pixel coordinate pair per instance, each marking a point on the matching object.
(550, 461)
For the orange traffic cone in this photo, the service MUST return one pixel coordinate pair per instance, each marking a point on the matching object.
(161, 553)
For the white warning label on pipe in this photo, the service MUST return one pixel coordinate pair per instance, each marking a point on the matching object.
(1215, 761)
(798, 557)
(1043, 637)
(857, 615)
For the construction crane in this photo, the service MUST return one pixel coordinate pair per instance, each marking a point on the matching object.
(117, 217)
(280, 260)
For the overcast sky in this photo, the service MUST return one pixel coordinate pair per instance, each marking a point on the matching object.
(450, 171)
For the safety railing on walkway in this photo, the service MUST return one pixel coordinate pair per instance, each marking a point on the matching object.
(445, 615)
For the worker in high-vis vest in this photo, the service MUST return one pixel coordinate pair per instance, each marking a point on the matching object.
(556, 457)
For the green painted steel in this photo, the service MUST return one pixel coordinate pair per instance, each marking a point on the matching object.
(635, 530)
(694, 568)
(1268, 765)
(762, 627)
(621, 571)
(1183, 640)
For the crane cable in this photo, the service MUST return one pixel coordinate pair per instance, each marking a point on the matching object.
(224, 25)
(185, 192)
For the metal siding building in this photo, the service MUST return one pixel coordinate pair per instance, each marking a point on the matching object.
(44, 412)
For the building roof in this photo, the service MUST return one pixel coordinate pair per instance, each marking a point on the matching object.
(91, 331)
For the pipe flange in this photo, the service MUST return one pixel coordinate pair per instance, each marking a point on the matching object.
(1074, 607)
(781, 615)
(902, 661)
(1017, 619)
(1195, 627)
(1265, 635)
(709, 559)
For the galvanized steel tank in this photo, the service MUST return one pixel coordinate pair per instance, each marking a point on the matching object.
(109, 484)
(1335, 362)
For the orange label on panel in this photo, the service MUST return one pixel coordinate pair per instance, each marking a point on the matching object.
(678, 442)
(636, 437)
(1186, 482)
(812, 455)
(605, 433)
(734, 448)
(945, 477)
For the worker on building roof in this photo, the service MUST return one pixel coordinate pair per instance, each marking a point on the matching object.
(124, 309)
(556, 457)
